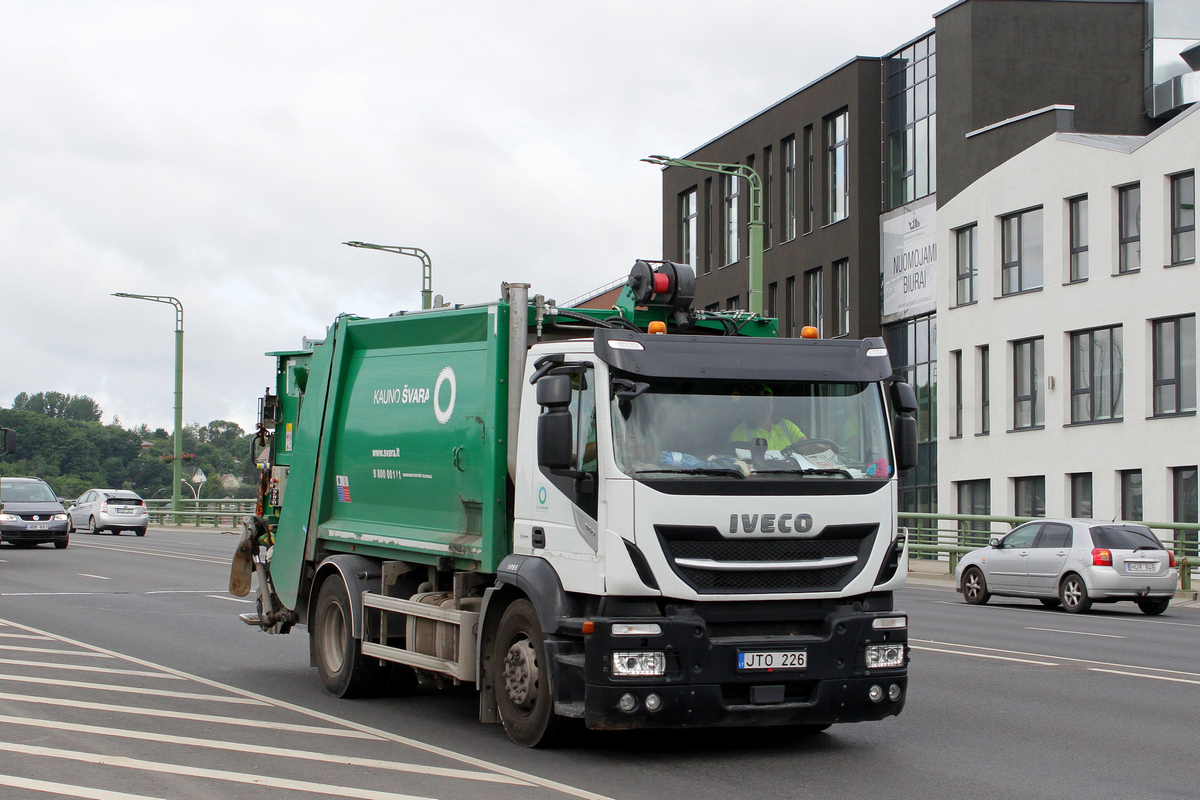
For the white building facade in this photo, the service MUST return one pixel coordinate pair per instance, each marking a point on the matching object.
(1067, 339)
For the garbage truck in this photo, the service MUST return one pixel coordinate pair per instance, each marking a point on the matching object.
(647, 516)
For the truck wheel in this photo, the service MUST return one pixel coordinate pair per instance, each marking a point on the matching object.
(344, 670)
(522, 680)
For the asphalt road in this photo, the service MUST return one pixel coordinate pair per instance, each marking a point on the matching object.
(125, 674)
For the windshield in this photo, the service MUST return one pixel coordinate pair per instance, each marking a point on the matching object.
(796, 429)
(26, 493)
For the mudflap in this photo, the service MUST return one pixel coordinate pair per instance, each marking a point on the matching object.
(242, 569)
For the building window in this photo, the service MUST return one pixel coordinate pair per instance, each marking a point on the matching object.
(810, 169)
(966, 263)
(841, 297)
(1028, 403)
(1174, 365)
(732, 183)
(709, 221)
(911, 86)
(912, 345)
(773, 301)
(787, 151)
(813, 309)
(733, 303)
(1184, 500)
(1078, 216)
(768, 197)
(1183, 218)
(1097, 375)
(1029, 496)
(837, 167)
(1131, 494)
(1129, 228)
(689, 231)
(975, 497)
(1081, 495)
(956, 365)
(985, 390)
(1021, 251)
(789, 306)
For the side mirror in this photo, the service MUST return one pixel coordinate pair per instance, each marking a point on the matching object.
(9, 444)
(904, 400)
(554, 439)
(995, 542)
(554, 391)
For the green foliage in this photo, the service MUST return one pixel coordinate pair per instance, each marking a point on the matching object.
(61, 439)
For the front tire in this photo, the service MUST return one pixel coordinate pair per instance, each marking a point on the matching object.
(1155, 606)
(974, 587)
(524, 696)
(344, 670)
(66, 540)
(1074, 594)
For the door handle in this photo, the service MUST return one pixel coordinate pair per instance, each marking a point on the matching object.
(539, 539)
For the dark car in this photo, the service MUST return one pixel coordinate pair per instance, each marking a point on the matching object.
(30, 513)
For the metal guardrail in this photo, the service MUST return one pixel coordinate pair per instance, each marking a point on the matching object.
(930, 536)
(226, 512)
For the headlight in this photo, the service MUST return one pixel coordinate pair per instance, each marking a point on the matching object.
(647, 663)
(59, 518)
(9, 518)
(883, 656)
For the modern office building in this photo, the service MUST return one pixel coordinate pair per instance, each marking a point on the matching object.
(858, 166)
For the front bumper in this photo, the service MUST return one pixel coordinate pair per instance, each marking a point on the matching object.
(702, 686)
(33, 533)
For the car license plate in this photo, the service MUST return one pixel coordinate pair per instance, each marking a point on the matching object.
(37, 527)
(1139, 566)
(124, 510)
(768, 660)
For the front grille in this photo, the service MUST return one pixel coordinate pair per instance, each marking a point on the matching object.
(835, 541)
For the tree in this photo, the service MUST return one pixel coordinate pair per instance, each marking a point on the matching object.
(76, 407)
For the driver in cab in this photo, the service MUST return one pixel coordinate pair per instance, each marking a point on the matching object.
(759, 423)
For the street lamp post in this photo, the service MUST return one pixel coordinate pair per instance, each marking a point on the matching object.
(177, 459)
(415, 252)
(754, 258)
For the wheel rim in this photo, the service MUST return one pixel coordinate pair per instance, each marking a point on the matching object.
(521, 674)
(91, 526)
(1072, 593)
(974, 585)
(333, 638)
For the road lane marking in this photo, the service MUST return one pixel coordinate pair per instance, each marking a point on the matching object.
(259, 749)
(154, 712)
(60, 594)
(211, 774)
(159, 553)
(68, 790)
(986, 655)
(107, 687)
(1079, 633)
(81, 668)
(97, 577)
(25, 636)
(379, 733)
(1060, 658)
(227, 597)
(51, 651)
(1142, 675)
(1035, 610)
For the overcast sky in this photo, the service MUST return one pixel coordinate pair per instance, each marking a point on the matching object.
(221, 151)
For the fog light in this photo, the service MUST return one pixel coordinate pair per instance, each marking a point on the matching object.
(883, 623)
(640, 629)
(894, 692)
(646, 663)
(875, 693)
(653, 702)
(883, 656)
(628, 703)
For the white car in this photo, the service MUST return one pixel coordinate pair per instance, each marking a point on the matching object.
(113, 510)
(1073, 562)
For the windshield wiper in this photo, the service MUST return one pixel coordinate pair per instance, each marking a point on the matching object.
(736, 473)
(810, 471)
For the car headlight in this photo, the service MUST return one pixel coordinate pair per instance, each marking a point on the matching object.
(59, 518)
(884, 656)
(9, 518)
(646, 663)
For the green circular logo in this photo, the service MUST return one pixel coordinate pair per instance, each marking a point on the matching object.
(542, 495)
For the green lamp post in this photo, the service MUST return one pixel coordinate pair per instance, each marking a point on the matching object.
(415, 252)
(754, 258)
(177, 459)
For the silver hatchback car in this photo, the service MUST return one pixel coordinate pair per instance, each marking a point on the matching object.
(113, 510)
(1073, 562)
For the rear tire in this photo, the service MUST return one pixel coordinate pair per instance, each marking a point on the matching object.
(344, 670)
(974, 587)
(92, 529)
(524, 696)
(1074, 594)
(140, 531)
(1155, 606)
